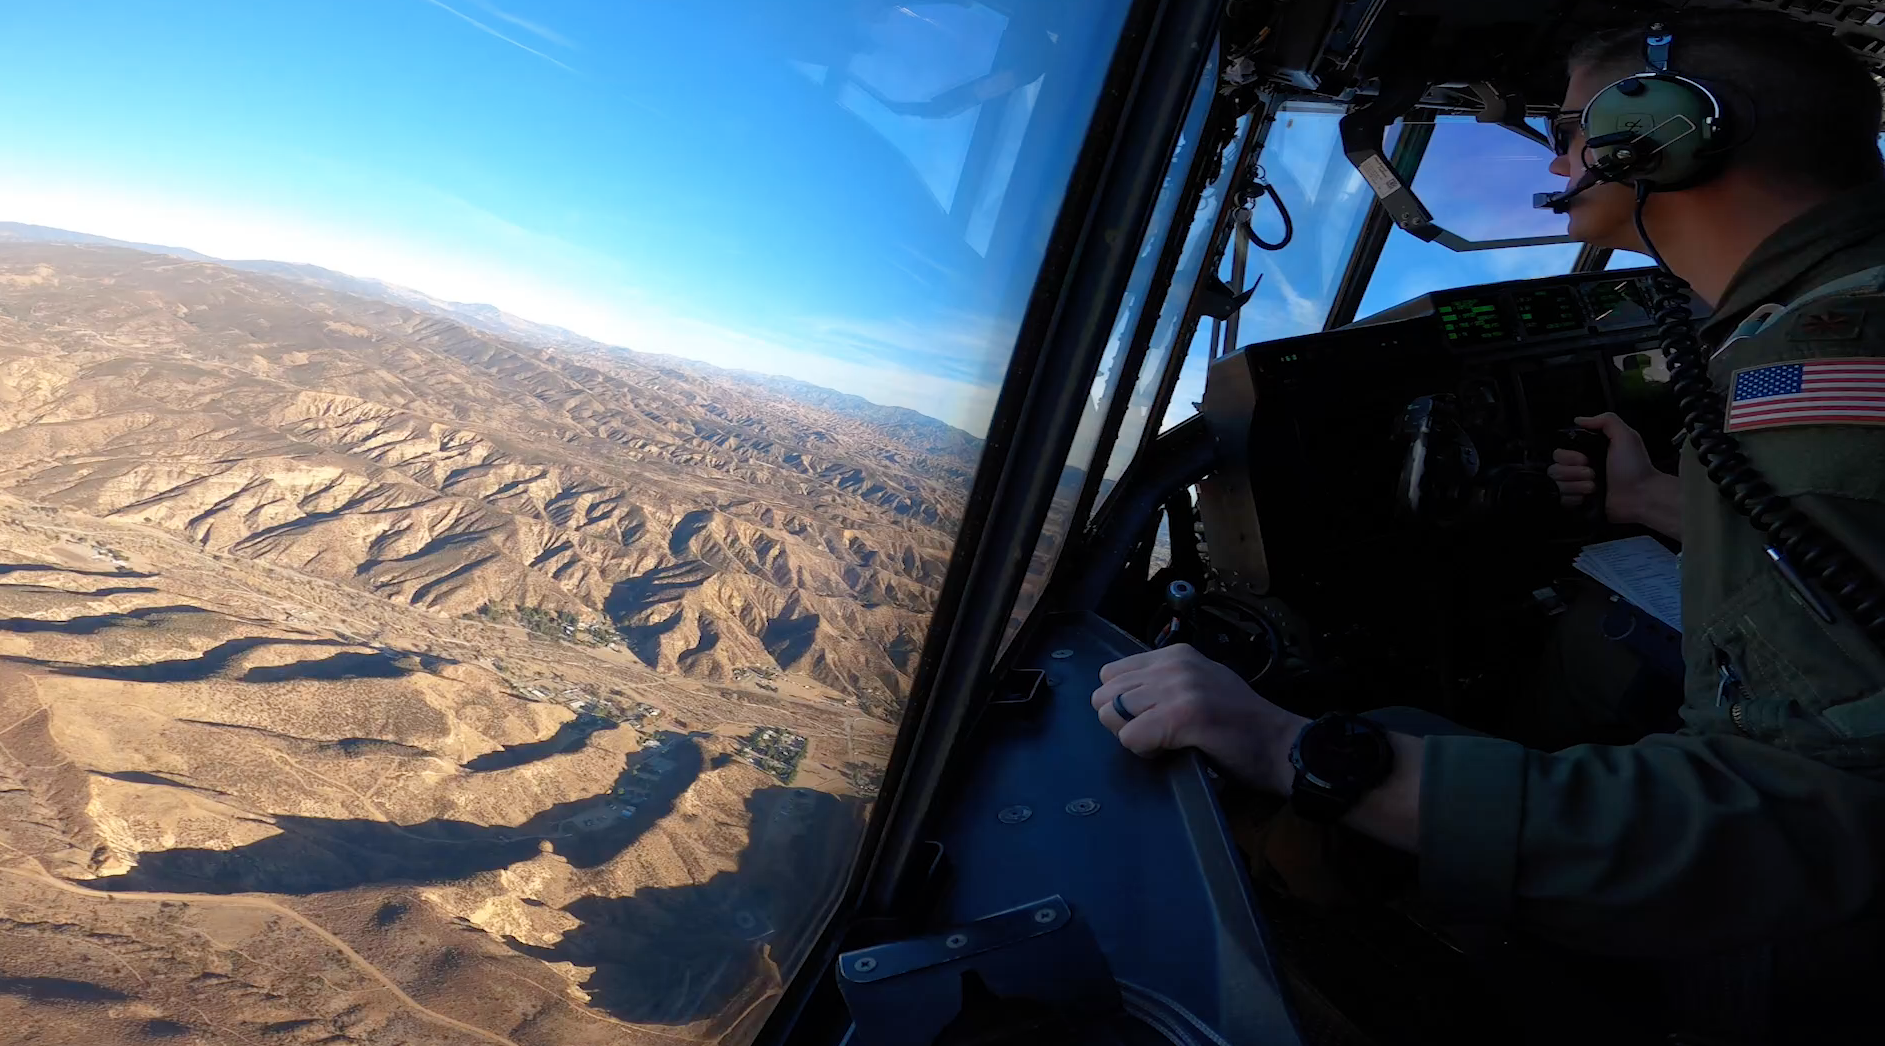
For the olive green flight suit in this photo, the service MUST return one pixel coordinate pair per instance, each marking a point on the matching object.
(1754, 838)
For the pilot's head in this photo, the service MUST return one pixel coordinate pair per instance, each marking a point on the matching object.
(1801, 111)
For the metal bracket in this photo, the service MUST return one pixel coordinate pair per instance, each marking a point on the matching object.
(1020, 690)
(1508, 111)
(1217, 301)
(1039, 956)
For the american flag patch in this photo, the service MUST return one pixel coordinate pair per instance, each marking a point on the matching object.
(1811, 392)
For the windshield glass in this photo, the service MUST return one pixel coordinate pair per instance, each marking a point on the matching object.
(1477, 180)
(1176, 309)
(1084, 448)
(1327, 201)
(475, 476)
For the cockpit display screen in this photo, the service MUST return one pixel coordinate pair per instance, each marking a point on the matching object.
(1611, 305)
(1544, 311)
(1471, 321)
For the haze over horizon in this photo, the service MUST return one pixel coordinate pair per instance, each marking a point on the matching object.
(739, 190)
(42, 233)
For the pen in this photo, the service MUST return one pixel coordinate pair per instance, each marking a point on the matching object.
(1813, 599)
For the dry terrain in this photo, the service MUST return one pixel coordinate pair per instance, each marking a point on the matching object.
(380, 669)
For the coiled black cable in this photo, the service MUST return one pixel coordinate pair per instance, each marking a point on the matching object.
(1260, 188)
(1813, 553)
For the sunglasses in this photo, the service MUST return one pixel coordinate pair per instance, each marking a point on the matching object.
(1565, 128)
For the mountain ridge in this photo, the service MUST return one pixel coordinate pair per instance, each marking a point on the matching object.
(490, 319)
(717, 525)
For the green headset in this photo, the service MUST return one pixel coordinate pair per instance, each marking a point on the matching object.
(1659, 131)
(1655, 129)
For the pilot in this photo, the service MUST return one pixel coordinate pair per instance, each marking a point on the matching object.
(1733, 871)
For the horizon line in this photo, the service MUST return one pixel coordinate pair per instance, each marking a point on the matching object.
(169, 250)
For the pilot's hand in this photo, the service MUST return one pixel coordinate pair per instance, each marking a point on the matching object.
(1179, 698)
(1628, 473)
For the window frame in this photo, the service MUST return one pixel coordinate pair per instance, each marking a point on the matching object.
(1149, 86)
(1219, 126)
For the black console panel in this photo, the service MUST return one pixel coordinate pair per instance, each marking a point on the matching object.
(1151, 902)
(1387, 479)
(1521, 358)
(1312, 421)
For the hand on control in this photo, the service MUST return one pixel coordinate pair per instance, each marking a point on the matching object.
(1629, 476)
(1178, 698)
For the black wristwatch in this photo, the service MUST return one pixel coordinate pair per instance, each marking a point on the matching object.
(1338, 759)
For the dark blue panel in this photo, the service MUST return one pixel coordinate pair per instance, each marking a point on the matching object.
(1152, 870)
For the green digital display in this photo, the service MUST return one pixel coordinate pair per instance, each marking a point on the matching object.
(1544, 311)
(1472, 321)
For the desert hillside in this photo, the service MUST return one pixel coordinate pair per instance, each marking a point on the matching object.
(374, 673)
(718, 524)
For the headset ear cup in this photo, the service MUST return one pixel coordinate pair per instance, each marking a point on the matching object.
(1657, 128)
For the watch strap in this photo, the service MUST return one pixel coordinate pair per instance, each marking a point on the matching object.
(1312, 802)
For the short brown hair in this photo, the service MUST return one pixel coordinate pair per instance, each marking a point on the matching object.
(1799, 105)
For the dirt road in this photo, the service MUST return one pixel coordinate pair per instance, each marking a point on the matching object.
(42, 878)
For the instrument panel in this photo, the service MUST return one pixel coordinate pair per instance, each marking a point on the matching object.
(1529, 311)
(1535, 313)
(1531, 354)
(1307, 427)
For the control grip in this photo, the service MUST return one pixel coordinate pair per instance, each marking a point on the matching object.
(1595, 446)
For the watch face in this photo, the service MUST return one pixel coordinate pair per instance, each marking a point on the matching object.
(1343, 752)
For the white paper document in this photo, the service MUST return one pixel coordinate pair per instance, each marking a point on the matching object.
(1640, 570)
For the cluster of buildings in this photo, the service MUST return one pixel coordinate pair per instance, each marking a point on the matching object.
(773, 749)
(868, 780)
(760, 677)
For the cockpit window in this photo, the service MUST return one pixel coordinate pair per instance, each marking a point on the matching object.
(475, 478)
(1409, 268)
(1176, 308)
(1141, 294)
(1327, 201)
(1478, 180)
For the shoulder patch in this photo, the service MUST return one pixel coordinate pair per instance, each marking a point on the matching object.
(1827, 323)
(1839, 320)
(1839, 391)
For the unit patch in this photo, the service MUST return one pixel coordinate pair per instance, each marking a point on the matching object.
(1831, 323)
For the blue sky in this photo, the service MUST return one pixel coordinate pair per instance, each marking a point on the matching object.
(850, 192)
(793, 188)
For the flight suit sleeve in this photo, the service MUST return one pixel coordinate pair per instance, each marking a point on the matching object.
(1765, 818)
(1678, 843)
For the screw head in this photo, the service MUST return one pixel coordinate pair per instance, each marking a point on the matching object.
(1015, 814)
(1083, 807)
(864, 965)
(1044, 915)
(1061, 655)
(955, 940)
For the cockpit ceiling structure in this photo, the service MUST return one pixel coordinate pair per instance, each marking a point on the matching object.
(1343, 50)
